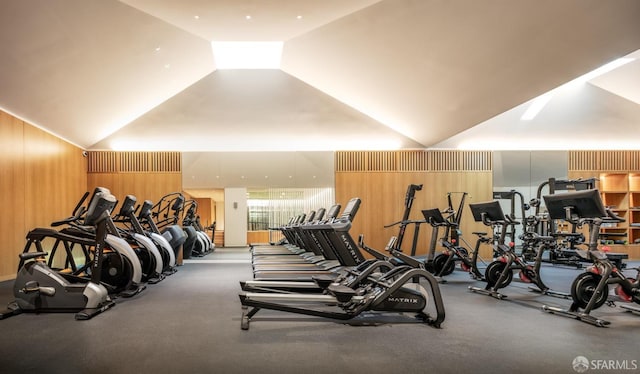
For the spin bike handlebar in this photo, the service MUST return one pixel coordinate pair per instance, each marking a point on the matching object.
(533, 236)
(407, 222)
(612, 217)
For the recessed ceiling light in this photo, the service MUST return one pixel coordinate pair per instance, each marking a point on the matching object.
(196, 17)
(247, 16)
(157, 49)
(299, 17)
(167, 66)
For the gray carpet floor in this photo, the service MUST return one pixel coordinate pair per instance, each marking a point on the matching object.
(190, 323)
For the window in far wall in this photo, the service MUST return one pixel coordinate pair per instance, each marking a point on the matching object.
(274, 207)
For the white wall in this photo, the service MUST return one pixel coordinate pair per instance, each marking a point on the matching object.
(235, 217)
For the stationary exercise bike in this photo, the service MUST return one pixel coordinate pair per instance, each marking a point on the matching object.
(499, 273)
(445, 262)
(38, 288)
(590, 290)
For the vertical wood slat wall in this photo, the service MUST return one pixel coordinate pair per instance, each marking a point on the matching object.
(622, 160)
(381, 178)
(146, 175)
(42, 177)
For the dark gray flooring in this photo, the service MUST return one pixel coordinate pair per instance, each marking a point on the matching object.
(190, 323)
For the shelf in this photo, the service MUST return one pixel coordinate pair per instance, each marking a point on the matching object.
(617, 201)
(634, 200)
(614, 182)
(620, 191)
(634, 234)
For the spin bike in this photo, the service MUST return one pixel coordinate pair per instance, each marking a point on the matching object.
(590, 290)
(445, 262)
(499, 273)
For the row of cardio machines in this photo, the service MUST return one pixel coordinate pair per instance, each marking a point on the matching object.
(173, 209)
(97, 256)
(321, 272)
(590, 289)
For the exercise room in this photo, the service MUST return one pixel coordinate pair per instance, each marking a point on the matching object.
(336, 186)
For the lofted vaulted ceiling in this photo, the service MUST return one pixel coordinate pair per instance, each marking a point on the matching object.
(355, 74)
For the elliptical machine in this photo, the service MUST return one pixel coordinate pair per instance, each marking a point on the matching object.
(202, 244)
(168, 247)
(121, 267)
(38, 288)
(167, 212)
(146, 250)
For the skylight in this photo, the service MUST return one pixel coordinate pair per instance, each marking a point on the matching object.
(247, 55)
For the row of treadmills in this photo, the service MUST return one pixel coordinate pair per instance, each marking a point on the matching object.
(320, 271)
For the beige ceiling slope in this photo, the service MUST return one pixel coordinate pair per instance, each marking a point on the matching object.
(253, 110)
(432, 68)
(577, 117)
(83, 69)
(270, 20)
(624, 81)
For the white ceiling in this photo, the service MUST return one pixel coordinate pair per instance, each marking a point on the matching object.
(354, 74)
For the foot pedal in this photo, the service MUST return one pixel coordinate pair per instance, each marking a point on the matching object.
(342, 293)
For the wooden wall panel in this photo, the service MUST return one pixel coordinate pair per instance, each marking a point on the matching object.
(144, 186)
(55, 177)
(206, 211)
(42, 179)
(12, 222)
(257, 236)
(383, 197)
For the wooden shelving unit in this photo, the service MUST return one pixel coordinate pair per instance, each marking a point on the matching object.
(620, 192)
(614, 188)
(618, 174)
(634, 209)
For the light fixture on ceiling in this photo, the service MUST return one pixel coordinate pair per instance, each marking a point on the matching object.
(247, 17)
(539, 102)
(196, 17)
(247, 55)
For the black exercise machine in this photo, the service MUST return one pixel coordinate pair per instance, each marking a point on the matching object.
(590, 290)
(445, 262)
(396, 291)
(38, 288)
